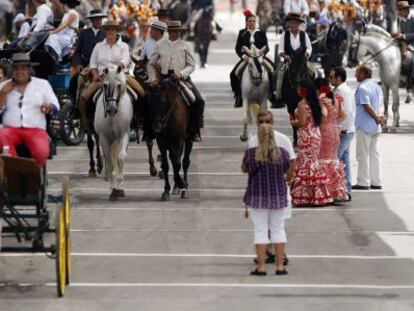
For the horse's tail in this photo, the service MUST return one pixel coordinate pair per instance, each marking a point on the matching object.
(115, 156)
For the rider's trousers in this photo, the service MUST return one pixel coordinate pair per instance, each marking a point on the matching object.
(34, 139)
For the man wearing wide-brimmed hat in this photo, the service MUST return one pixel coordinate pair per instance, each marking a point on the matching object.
(176, 60)
(27, 100)
(87, 40)
(157, 31)
(164, 16)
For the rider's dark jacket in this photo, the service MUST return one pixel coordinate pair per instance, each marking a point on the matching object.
(243, 39)
(406, 27)
(85, 45)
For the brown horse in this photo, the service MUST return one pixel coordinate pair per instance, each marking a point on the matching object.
(174, 139)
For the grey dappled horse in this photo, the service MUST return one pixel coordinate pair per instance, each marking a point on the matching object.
(254, 85)
(113, 116)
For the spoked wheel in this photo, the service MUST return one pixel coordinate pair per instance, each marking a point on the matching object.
(61, 250)
(66, 208)
(70, 131)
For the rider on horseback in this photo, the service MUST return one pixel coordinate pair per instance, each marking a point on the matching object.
(110, 52)
(406, 33)
(176, 61)
(248, 36)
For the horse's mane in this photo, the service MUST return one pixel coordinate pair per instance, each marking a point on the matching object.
(374, 29)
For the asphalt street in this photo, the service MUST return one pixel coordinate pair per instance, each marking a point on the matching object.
(142, 254)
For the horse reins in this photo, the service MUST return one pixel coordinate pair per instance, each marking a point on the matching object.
(354, 58)
(107, 99)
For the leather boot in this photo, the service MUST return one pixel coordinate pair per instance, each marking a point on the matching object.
(238, 102)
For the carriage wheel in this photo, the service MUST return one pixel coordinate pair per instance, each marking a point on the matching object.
(71, 131)
(66, 209)
(61, 250)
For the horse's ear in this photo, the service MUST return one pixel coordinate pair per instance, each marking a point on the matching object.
(119, 69)
(246, 50)
(105, 71)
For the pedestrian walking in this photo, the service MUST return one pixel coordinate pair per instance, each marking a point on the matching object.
(309, 183)
(283, 142)
(344, 95)
(328, 153)
(368, 120)
(266, 194)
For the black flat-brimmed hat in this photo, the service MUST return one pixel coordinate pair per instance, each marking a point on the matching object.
(22, 59)
(75, 2)
(96, 14)
(163, 12)
(174, 25)
(111, 24)
(294, 17)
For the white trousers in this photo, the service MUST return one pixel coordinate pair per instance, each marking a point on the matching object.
(265, 220)
(368, 157)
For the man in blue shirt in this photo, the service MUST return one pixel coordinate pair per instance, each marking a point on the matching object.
(368, 120)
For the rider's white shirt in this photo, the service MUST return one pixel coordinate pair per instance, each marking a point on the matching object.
(24, 30)
(104, 56)
(42, 17)
(295, 43)
(37, 92)
(348, 101)
(149, 48)
(296, 6)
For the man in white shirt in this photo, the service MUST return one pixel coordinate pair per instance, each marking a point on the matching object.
(25, 101)
(345, 97)
(300, 7)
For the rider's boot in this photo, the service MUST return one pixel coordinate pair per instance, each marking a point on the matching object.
(238, 102)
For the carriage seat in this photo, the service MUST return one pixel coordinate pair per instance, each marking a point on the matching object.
(23, 181)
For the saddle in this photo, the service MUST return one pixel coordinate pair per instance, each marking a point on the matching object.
(186, 92)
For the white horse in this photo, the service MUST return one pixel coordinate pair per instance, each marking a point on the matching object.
(378, 44)
(254, 85)
(113, 115)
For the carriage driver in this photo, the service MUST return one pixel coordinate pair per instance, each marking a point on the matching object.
(25, 101)
(108, 53)
(176, 60)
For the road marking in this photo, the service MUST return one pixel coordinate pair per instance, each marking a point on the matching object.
(226, 147)
(103, 254)
(221, 285)
(147, 173)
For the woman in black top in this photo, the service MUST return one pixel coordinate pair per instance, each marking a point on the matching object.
(246, 37)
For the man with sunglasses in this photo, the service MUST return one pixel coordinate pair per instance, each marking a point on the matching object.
(345, 97)
(25, 101)
(282, 141)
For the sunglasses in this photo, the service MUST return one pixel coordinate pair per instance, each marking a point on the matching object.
(264, 121)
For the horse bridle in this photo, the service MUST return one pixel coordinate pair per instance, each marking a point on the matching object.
(354, 59)
(107, 98)
(259, 67)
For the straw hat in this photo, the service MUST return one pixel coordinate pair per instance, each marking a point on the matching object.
(159, 25)
(403, 5)
(110, 25)
(96, 14)
(174, 25)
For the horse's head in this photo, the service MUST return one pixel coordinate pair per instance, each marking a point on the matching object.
(114, 86)
(255, 63)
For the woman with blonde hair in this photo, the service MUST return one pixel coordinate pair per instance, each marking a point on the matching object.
(266, 194)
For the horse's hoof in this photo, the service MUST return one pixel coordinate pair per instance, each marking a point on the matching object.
(161, 175)
(165, 197)
(408, 100)
(385, 129)
(184, 194)
(243, 138)
(176, 191)
(92, 173)
(393, 130)
(116, 193)
(153, 171)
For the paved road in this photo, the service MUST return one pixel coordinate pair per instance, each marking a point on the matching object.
(196, 254)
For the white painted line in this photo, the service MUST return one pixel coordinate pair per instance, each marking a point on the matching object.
(82, 254)
(131, 146)
(221, 285)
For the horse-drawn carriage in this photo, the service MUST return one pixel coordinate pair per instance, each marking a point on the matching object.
(23, 197)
